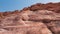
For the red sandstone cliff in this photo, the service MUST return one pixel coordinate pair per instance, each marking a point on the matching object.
(36, 19)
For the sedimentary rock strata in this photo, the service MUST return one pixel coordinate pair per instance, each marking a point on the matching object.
(37, 19)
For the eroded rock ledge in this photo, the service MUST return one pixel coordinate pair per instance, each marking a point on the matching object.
(37, 19)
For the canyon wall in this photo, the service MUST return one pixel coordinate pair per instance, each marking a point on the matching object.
(36, 19)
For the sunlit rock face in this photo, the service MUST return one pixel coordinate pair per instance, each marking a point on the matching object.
(30, 28)
(37, 19)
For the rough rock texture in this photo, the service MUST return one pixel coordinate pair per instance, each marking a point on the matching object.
(30, 28)
(37, 19)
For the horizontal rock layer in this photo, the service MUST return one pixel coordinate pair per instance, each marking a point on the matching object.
(37, 19)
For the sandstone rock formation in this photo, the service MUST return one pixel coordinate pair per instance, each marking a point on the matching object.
(37, 19)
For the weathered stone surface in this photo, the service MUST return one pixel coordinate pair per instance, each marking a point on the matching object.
(54, 26)
(37, 19)
(30, 28)
(45, 14)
